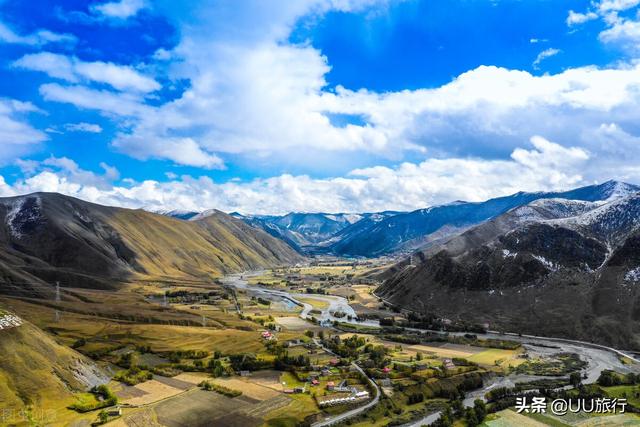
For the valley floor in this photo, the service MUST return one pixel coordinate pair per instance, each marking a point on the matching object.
(289, 346)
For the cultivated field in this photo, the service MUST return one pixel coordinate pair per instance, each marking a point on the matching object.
(249, 387)
(509, 418)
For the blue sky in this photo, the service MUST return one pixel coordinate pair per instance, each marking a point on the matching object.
(316, 105)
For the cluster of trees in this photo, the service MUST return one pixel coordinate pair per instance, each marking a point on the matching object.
(499, 393)
(165, 370)
(216, 367)
(248, 362)
(387, 321)
(404, 339)
(262, 301)
(134, 375)
(473, 416)
(79, 343)
(126, 360)
(284, 361)
(455, 387)
(610, 378)
(176, 356)
(102, 391)
(209, 386)
(347, 347)
(377, 354)
(414, 398)
(462, 362)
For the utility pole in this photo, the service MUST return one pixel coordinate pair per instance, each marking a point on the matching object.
(57, 300)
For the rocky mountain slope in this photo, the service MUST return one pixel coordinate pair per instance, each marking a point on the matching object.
(315, 232)
(552, 267)
(48, 237)
(384, 233)
(412, 230)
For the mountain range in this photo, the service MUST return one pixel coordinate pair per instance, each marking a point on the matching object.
(48, 237)
(390, 232)
(554, 263)
(562, 267)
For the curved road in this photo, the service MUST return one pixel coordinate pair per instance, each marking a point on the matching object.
(597, 356)
(352, 413)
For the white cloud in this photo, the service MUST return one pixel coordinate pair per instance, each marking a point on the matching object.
(269, 101)
(576, 18)
(621, 31)
(117, 104)
(27, 167)
(73, 70)
(544, 165)
(162, 55)
(83, 127)
(183, 151)
(616, 5)
(122, 9)
(256, 97)
(17, 135)
(253, 95)
(547, 53)
(48, 174)
(625, 33)
(38, 38)
(537, 40)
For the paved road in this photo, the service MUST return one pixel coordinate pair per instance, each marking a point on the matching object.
(354, 412)
(597, 356)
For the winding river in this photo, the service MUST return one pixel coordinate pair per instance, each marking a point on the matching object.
(598, 357)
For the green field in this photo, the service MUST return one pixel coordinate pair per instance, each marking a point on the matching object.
(497, 356)
(629, 392)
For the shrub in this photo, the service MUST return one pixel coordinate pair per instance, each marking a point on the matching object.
(206, 385)
(108, 399)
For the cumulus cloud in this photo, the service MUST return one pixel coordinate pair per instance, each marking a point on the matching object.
(254, 95)
(72, 69)
(576, 18)
(48, 175)
(271, 100)
(616, 5)
(122, 9)
(621, 31)
(544, 165)
(625, 33)
(183, 151)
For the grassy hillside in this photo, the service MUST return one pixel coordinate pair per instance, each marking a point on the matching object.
(38, 373)
(48, 237)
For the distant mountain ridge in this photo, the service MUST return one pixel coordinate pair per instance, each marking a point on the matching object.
(553, 267)
(412, 230)
(390, 232)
